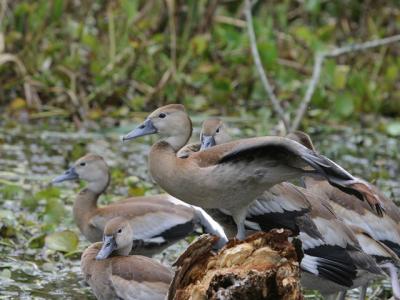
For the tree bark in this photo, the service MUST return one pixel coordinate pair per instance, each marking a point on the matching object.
(264, 266)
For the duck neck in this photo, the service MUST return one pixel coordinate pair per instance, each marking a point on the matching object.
(179, 136)
(124, 251)
(85, 203)
(177, 142)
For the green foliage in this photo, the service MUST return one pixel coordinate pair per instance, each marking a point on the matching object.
(119, 54)
(48, 203)
(64, 241)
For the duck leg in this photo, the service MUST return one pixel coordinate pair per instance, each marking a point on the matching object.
(363, 292)
(239, 216)
(394, 279)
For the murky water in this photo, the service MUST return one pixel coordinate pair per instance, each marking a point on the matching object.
(31, 155)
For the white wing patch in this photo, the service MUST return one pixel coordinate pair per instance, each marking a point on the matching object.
(271, 203)
(309, 242)
(371, 247)
(310, 264)
(154, 224)
(210, 225)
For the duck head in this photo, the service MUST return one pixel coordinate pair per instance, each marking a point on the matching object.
(170, 122)
(117, 238)
(91, 168)
(213, 132)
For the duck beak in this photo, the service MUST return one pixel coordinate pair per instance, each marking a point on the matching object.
(207, 141)
(146, 128)
(107, 248)
(70, 174)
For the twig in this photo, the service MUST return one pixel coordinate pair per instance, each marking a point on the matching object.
(319, 60)
(230, 21)
(261, 72)
(171, 14)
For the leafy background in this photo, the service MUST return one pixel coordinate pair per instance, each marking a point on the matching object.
(89, 59)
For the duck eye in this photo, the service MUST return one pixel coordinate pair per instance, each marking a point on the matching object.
(119, 230)
(82, 164)
(162, 115)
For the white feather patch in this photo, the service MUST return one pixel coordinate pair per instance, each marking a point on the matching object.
(308, 242)
(310, 264)
(154, 224)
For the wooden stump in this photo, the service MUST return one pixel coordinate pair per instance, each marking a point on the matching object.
(264, 266)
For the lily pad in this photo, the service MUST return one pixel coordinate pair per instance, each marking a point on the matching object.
(393, 128)
(64, 241)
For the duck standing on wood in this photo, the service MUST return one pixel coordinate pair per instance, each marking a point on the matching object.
(232, 175)
(333, 261)
(158, 221)
(114, 274)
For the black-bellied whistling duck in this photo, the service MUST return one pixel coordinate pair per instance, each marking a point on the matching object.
(232, 175)
(158, 221)
(114, 274)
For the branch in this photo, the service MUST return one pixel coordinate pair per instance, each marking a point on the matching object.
(319, 60)
(261, 72)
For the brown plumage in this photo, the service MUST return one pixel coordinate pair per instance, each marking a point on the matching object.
(332, 250)
(385, 229)
(230, 175)
(119, 276)
(158, 220)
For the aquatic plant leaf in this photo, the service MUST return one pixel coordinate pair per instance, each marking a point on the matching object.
(36, 242)
(6, 273)
(63, 241)
(393, 128)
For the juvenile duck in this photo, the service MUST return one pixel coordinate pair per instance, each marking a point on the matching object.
(113, 274)
(158, 220)
(233, 174)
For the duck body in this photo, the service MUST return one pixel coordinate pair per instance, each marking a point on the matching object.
(333, 260)
(158, 220)
(233, 174)
(113, 274)
(124, 277)
(216, 175)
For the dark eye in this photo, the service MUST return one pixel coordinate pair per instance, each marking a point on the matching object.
(82, 164)
(217, 130)
(119, 230)
(162, 115)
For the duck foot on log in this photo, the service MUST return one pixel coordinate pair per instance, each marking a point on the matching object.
(264, 266)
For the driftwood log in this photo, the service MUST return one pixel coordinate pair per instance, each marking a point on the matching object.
(264, 266)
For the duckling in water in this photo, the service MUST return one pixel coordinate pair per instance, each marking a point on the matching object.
(158, 221)
(113, 274)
